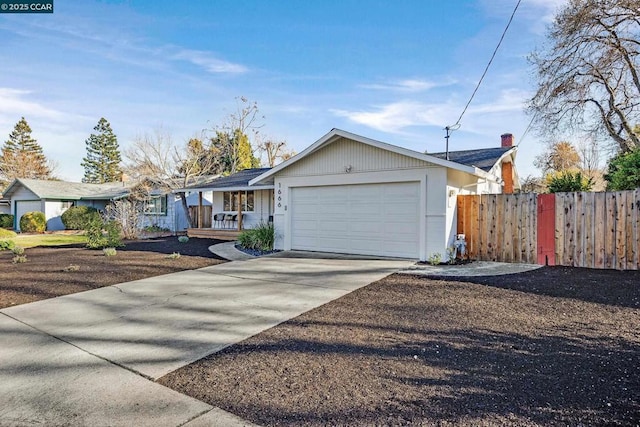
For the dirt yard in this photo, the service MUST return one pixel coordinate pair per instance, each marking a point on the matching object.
(44, 276)
(555, 346)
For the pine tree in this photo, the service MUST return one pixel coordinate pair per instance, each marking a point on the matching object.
(22, 156)
(102, 163)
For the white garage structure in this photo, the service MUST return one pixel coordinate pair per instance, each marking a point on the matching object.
(354, 195)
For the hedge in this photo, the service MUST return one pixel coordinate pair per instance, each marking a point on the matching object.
(6, 221)
(33, 222)
(79, 217)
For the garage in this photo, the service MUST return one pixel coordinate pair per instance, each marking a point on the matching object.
(368, 219)
(24, 206)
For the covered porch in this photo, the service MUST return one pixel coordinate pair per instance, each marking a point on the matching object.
(235, 206)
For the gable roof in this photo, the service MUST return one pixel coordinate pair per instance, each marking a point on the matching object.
(335, 134)
(68, 190)
(237, 181)
(482, 158)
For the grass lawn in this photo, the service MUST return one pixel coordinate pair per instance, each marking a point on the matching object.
(33, 240)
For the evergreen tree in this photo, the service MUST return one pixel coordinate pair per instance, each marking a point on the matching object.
(233, 152)
(22, 156)
(624, 172)
(102, 163)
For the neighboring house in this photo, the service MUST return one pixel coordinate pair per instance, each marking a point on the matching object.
(350, 194)
(5, 206)
(54, 197)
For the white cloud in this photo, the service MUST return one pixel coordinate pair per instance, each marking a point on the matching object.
(13, 102)
(397, 116)
(509, 100)
(408, 85)
(209, 62)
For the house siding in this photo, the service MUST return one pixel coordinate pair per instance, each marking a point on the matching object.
(53, 209)
(98, 204)
(337, 156)
(167, 221)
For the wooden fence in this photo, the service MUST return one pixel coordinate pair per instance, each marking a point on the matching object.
(594, 230)
(499, 227)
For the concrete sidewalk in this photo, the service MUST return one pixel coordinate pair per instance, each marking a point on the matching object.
(90, 358)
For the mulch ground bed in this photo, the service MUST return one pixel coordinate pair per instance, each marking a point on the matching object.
(43, 275)
(555, 346)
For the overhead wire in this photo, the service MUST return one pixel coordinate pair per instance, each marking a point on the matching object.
(487, 67)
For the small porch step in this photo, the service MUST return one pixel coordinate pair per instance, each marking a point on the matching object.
(210, 233)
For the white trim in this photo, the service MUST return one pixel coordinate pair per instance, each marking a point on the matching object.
(220, 189)
(337, 133)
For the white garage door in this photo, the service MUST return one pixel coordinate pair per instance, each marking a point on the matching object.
(369, 219)
(22, 207)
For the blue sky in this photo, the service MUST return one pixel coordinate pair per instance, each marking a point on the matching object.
(396, 71)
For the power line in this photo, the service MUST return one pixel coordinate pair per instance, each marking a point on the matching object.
(526, 131)
(487, 67)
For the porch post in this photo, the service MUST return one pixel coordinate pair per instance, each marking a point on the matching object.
(200, 210)
(239, 210)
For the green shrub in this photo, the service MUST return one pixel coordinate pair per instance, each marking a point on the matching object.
(33, 222)
(79, 217)
(183, 239)
(7, 245)
(568, 181)
(7, 234)
(19, 259)
(175, 255)
(6, 220)
(18, 250)
(109, 251)
(103, 235)
(435, 258)
(259, 238)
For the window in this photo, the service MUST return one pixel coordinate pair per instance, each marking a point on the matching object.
(156, 205)
(66, 204)
(231, 201)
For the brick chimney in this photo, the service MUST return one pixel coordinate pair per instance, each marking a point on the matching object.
(507, 167)
(507, 139)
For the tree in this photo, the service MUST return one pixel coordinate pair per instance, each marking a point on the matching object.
(589, 74)
(156, 160)
(624, 172)
(532, 184)
(558, 157)
(22, 156)
(275, 151)
(231, 144)
(568, 181)
(102, 163)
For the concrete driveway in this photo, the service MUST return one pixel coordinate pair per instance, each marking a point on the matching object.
(91, 358)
